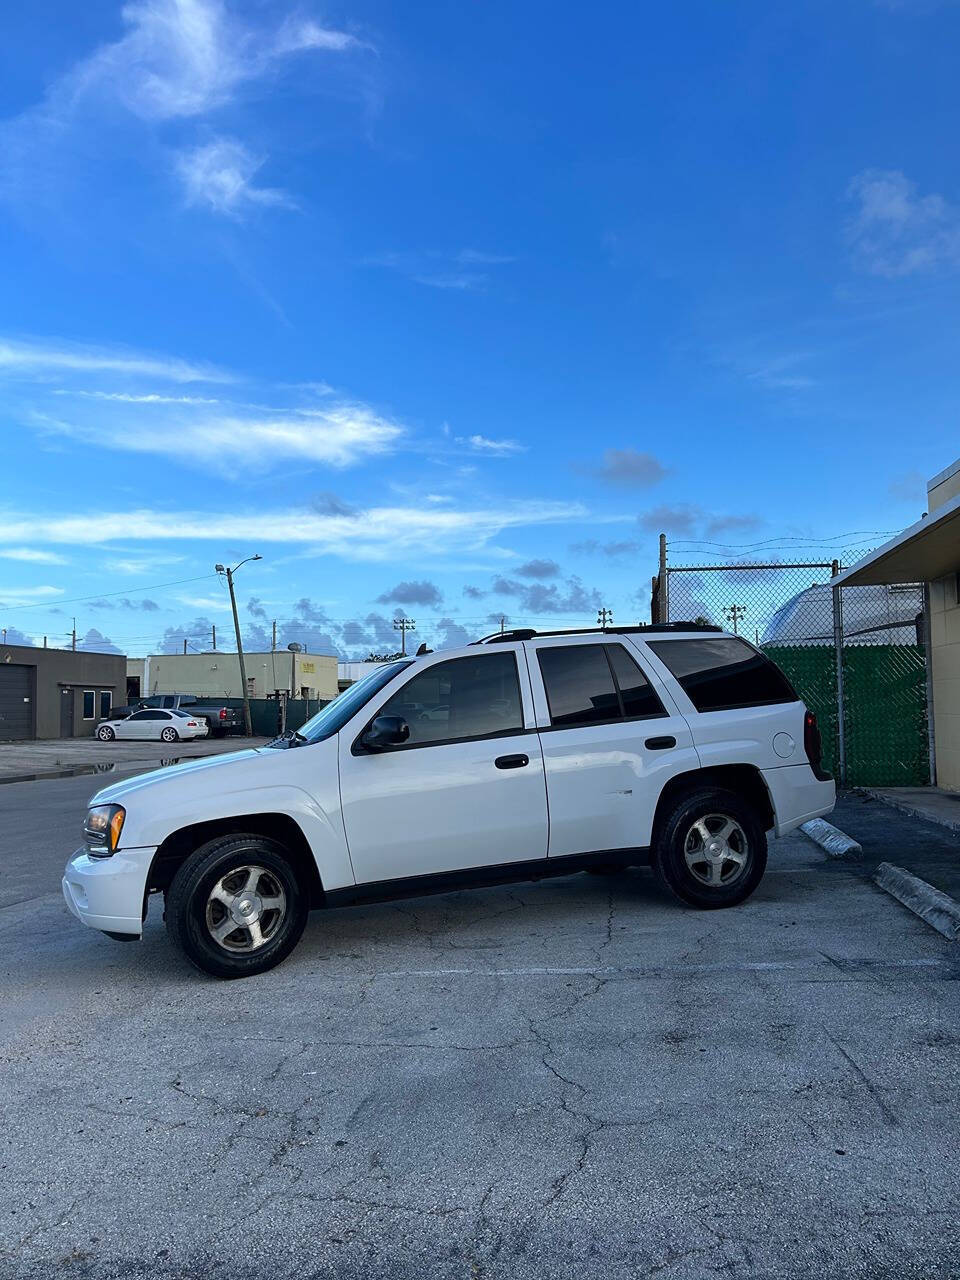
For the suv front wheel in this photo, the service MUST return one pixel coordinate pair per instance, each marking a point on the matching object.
(711, 848)
(236, 906)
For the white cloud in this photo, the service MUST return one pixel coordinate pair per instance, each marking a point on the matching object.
(339, 436)
(496, 448)
(894, 231)
(29, 555)
(381, 534)
(125, 397)
(43, 359)
(177, 60)
(13, 596)
(296, 35)
(219, 176)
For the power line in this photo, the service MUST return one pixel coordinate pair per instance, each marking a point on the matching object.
(56, 601)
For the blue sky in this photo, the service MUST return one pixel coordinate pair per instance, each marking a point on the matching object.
(450, 309)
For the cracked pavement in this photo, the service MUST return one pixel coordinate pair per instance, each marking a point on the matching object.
(571, 1077)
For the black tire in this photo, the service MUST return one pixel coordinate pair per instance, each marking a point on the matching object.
(718, 879)
(191, 913)
(105, 733)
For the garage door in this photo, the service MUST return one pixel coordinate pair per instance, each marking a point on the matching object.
(16, 701)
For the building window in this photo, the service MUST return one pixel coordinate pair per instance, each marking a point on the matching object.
(89, 704)
(106, 704)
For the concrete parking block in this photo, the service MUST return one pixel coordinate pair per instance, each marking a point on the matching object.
(831, 839)
(939, 910)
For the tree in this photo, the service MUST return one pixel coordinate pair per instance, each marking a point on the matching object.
(382, 657)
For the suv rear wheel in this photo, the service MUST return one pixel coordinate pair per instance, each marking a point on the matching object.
(711, 848)
(236, 906)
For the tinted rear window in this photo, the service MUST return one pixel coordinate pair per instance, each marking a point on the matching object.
(723, 672)
(579, 684)
(583, 687)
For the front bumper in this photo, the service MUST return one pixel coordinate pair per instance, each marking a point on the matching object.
(109, 893)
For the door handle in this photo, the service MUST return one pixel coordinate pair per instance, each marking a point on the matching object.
(511, 762)
(660, 744)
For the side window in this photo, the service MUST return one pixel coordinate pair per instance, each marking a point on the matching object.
(723, 673)
(89, 704)
(579, 684)
(463, 698)
(639, 699)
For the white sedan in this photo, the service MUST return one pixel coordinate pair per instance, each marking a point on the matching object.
(167, 726)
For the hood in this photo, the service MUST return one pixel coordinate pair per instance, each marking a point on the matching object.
(176, 773)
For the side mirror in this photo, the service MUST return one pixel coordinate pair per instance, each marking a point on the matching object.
(386, 731)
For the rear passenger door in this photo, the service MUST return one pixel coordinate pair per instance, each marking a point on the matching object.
(611, 737)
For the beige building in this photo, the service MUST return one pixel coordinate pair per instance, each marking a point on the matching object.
(929, 552)
(217, 674)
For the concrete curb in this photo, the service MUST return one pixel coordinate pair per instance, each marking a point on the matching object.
(937, 909)
(831, 839)
(903, 805)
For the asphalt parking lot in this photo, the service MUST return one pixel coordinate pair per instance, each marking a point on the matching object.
(575, 1077)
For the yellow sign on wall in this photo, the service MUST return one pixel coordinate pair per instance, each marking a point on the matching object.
(309, 667)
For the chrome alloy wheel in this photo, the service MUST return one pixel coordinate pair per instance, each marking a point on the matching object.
(245, 908)
(716, 850)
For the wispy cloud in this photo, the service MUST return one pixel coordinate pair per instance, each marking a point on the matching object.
(440, 269)
(337, 437)
(176, 61)
(30, 555)
(125, 397)
(15, 596)
(894, 231)
(380, 534)
(44, 359)
(493, 448)
(219, 175)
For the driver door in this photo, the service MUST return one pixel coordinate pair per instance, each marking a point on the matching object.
(466, 789)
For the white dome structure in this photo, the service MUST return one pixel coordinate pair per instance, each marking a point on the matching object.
(871, 615)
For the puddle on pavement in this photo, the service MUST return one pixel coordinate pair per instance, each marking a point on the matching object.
(81, 770)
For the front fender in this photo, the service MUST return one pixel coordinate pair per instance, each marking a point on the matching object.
(299, 784)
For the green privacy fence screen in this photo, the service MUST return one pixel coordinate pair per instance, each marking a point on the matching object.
(885, 700)
(793, 613)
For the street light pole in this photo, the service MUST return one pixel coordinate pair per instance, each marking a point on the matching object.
(247, 721)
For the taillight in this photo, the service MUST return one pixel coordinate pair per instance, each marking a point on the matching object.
(223, 713)
(191, 724)
(812, 744)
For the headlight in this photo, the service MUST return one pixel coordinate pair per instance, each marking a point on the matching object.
(101, 831)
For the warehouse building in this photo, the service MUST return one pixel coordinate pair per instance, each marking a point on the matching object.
(217, 675)
(57, 693)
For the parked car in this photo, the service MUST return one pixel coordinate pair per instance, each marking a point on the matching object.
(167, 726)
(220, 719)
(678, 746)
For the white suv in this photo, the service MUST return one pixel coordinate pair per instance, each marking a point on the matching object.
(527, 754)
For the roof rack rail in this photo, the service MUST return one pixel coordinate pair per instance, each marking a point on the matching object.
(530, 633)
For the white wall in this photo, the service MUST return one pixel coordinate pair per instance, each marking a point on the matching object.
(210, 674)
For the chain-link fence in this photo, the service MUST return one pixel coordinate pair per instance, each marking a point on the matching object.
(855, 655)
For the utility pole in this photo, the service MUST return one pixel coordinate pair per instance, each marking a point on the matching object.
(184, 646)
(294, 650)
(662, 594)
(273, 644)
(247, 722)
(502, 625)
(735, 613)
(73, 636)
(214, 626)
(603, 617)
(403, 625)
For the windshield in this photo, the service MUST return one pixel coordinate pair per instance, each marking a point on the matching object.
(331, 718)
